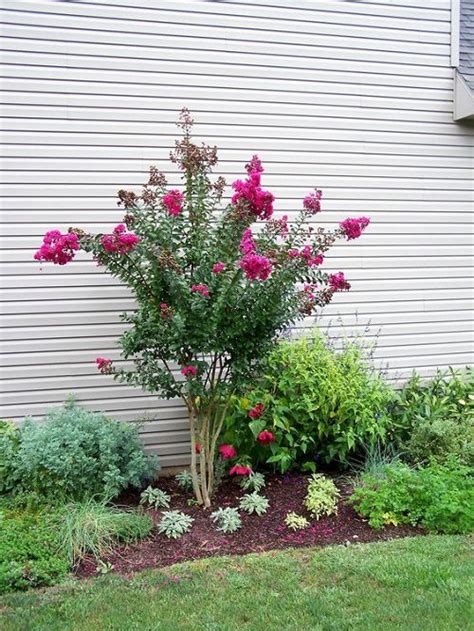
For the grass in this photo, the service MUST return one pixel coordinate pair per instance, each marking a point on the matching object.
(413, 584)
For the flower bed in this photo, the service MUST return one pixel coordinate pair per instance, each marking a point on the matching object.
(258, 533)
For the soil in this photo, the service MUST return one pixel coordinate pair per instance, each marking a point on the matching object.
(257, 534)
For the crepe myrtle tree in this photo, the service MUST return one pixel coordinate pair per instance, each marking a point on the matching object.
(214, 288)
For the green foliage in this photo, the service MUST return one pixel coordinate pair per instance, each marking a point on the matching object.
(9, 444)
(30, 554)
(77, 453)
(253, 482)
(296, 522)
(439, 497)
(321, 498)
(175, 524)
(254, 503)
(373, 460)
(227, 519)
(184, 480)
(91, 527)
(320, 403)
(155, 498)
(435, 418)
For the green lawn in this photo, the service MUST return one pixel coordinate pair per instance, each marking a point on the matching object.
(419, 583)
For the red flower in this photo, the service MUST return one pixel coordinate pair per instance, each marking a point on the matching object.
(266, 437)
(197, 448)
(104, 365)
(227, 452)
(240, 469)
(189, 371)
(257, 411)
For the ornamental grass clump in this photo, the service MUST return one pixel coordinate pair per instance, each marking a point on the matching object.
(214, 286)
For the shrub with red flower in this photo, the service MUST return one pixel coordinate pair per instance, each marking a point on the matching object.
(171, 250)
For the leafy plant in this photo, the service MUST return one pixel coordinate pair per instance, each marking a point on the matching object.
(91, 527)
(184, 480)
(175, 524)
(253, 482)
(196, 272)
(155, 497)
(321, 498)
(435, 418)
(77, 454)
(9, 445)
(227, 519)
(254, 503)
(319, 402)
(295, 521)
(439, 497)
(30, 553)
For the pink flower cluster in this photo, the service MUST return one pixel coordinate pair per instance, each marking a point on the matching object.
(104, 365)
(189, 371)
(227, 452)
(255, 266)
(120, 240)
(266, 437)
(165, 311)
(247, 244)
(257, 411)
(354, 227)
(309, 291)
(173, 201)
(337, 282)
(240, 469)
(218, 267)
(311, 259)
(58, 248)
(312, 202)
(200, 289)
(249, 191)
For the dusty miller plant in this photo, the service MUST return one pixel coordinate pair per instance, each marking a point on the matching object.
(214, 284)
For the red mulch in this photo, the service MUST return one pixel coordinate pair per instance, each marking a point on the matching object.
(268, 532)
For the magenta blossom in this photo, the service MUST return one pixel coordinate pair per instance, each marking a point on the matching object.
(312, 202)
(293, 253)
(249, 192)
(58, 248)
(247, 244)
(217, 268)
(240, 469)
(200, 289)
(189, 371)
(312, 260)
(257, 411)
(120, 240)
(354, 227)
(227, 451)
(255, 266)
(104, 365)
(266, 437)
(337, 282)
(173, 201)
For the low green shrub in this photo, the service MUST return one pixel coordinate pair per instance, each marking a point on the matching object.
(174, 524)
(317, 402)
(435, 418)
(254, 503)
(439, 497)
(74, 454)
(156, 498)
(293, 521)
(227, 519)
(91, 527)
(9, 445)
(322, 495)
(30, 553)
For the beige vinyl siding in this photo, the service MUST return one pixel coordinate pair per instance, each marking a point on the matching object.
(352, 97)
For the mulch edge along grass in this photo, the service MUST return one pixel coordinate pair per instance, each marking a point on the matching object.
(410, 583)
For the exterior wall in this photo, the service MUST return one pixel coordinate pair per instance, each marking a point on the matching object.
(352, 97)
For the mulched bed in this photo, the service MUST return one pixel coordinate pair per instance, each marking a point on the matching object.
(268, 532)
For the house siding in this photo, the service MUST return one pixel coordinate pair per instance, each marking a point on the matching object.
(352, 97)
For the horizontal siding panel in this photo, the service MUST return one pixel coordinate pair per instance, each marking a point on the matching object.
(355, 98)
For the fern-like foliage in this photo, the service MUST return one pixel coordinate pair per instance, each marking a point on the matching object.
(156, 498)
(253, 482)
(175, 524)
(254, 503)
(227, 519)
(321, 498)
(296, 522)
